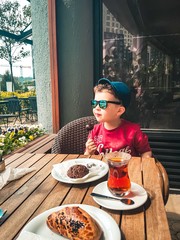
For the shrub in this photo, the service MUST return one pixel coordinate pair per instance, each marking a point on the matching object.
(17, 94)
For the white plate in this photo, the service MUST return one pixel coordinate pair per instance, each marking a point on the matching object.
(107, 223)
(59, 171)
(137, 194)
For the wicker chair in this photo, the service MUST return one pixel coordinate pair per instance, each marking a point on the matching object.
(72, 137)
(33, 108)
(15, 110)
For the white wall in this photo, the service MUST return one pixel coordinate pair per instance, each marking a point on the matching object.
(42, 62)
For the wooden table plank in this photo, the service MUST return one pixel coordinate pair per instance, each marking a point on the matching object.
(41, 146)
(12, 158)
(27, 187)
(13, 186)
(134, 218)
(157, 227)
(55, 197)
(20, 216)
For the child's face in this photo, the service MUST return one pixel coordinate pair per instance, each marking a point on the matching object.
(112, 112)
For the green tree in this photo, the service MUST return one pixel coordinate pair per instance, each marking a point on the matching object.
(6, 78)
(13, 19)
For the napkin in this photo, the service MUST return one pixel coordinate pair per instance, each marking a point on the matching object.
(26, 235)
(94, 170)
(10, 174)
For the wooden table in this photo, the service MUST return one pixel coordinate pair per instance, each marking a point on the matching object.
(38, 191)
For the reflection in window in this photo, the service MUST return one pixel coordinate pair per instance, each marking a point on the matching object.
(153, 76)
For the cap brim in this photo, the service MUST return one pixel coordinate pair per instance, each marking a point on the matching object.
(104, 81)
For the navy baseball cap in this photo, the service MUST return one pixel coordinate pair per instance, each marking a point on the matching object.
(121, 90)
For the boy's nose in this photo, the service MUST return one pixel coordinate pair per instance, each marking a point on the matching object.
(97, 107)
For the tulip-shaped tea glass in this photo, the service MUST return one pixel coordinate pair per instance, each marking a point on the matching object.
(118, 182)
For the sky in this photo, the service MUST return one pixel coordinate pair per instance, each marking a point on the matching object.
(21, 68)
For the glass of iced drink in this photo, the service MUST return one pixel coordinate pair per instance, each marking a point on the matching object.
(118, 179)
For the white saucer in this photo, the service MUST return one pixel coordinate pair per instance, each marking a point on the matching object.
(137, 194)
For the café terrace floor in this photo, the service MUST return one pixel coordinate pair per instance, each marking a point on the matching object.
(173, 214)
(172, 206)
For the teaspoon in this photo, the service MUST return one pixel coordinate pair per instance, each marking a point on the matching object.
(123, 200)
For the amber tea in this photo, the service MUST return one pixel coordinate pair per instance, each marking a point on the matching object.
(118, 178)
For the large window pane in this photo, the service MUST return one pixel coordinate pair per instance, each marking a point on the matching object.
(152, 74)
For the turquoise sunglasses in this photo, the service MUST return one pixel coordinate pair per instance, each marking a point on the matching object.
(102, 103)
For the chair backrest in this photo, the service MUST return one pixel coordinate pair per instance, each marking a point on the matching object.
(72, 137)
(33, 103)
(13, 106)
(9, 98)
(164, 181)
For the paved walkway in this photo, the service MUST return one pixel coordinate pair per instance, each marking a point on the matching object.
(173, 215)
(17, 123)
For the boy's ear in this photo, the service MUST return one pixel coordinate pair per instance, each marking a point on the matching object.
(121, 110)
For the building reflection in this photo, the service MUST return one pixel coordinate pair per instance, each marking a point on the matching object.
(151, 73)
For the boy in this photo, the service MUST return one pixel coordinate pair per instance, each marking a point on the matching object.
(114, 133)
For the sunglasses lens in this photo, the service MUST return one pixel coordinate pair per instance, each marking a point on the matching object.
(103, 104)
(93, 103)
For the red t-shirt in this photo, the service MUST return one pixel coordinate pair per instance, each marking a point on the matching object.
(128, 137)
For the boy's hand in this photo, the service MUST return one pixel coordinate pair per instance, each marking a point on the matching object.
(90, 147)
(147, 154)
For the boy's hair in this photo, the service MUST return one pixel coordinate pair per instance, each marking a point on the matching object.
(101, 87)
